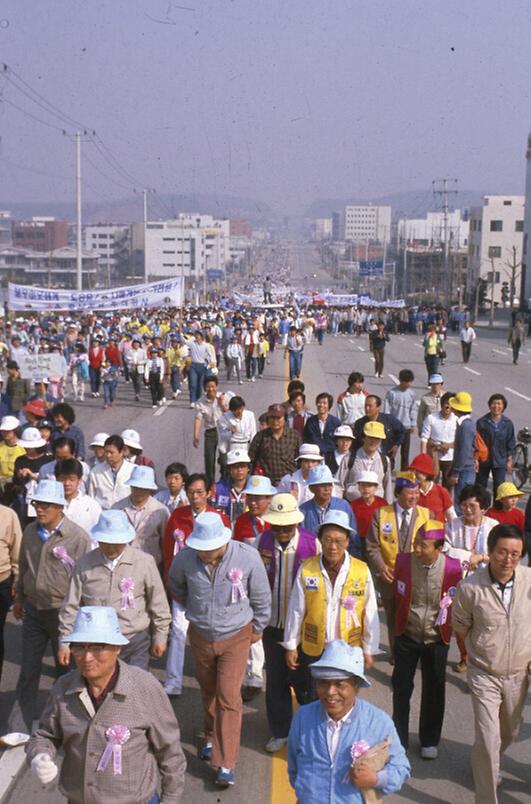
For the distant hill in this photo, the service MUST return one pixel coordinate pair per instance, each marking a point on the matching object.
(412, 204)
(128, 210)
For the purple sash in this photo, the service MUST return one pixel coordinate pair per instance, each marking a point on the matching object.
(266, 548)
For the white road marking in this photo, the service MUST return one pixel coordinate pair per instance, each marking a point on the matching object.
(401, 337)
(350, 340)
(522, 396)
(361, 348)
(472, 371)
(394, 379)
(162, 410)
(498, 352)
(418, 345)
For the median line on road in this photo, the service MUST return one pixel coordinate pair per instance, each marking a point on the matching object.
(517, 393)
(162, 409)
(472, 371)
(499, 352)
(361, 348)
(394, 379)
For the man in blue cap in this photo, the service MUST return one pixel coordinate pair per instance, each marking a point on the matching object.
(321, 483)
(224, 587)
(50, 547)
(114, 723)
(126, 578)
(147, 515)
(328, 737)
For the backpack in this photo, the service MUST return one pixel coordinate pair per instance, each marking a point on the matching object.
(481, 450)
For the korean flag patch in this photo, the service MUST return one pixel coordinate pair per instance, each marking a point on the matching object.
(312, 583)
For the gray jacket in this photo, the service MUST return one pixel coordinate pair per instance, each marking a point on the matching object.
(208, 600)
(138, 702)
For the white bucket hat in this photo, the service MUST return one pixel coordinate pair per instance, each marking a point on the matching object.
(31, 439)
(142, 477)
(99, 440)
(237, 456)
(9, 423)
(131, 439)
(209, 532)
(96, 625)
(309, 452)
(343, 431)
(367, 477)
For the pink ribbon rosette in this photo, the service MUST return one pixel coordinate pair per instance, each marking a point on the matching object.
(116, 737)
(235, 577)
(375, 757)
(60, 552)
(179, 538)
(357, 750)
(349, 604)
(446, 602)
(127, 587)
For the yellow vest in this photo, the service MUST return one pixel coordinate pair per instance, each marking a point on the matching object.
(388, 531)
(314, 623)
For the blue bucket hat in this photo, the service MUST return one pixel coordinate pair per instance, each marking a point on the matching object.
(49, 491)
(113, 527)
(209, 532)
(335, 517)
(319, 476)
(340, 660)
(259, 484)
(435, 378)
(96, 624)
(142, 477)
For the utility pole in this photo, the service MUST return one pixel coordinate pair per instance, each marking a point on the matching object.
(444, 192)
(146, 276)
(79, 233)
(492, 283)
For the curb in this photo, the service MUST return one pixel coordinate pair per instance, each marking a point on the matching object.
(12, 762)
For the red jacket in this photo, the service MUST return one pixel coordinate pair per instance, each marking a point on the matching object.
(113, 355)
(243, 528)
(95, 357)
(182, 522)
(403, 591)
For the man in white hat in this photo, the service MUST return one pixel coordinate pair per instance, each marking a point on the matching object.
(283, 546)
(224, 588)
(50, 547)
(134, 451)
(349, 727)
(108, 481)
(80, 508)
(321, 484)
(333, 595)
(147, 515)
(117, 574)
(113, 722)
(297, 482)
(97, 447)
(340, 459)
(10, 539)
(250, 524)
(229, 496)
(9, 449)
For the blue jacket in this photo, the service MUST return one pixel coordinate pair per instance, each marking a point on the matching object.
(312, 433)
(312, 521)
(464, 446)
(315, 779)
(500, 440)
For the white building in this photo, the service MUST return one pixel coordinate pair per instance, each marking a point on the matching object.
(322, 228)
(526, 257)
(111, 242)
(429, 232)
(367, 223)
(495, 240)
(217, 238)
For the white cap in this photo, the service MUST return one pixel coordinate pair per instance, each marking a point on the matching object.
(131, 439)
(344, 431)
(9, 423)
(237, 456)
(99, 440)
(367, 477)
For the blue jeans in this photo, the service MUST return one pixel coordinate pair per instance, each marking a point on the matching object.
(175, 379)
(94, 374)
(195, 380)
(498, 476)
(295, 364)
(109, 391)
(465, 478)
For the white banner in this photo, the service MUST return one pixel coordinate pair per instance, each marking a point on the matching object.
(166, 293)
(45, 364)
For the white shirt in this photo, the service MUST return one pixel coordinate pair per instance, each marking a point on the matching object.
(85, 512)
(441, 431)
(297, 609)
(333, 732)
(467, 335)
(170, 502)
(295, 484)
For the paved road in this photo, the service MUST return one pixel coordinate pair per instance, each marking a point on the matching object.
(166, 436)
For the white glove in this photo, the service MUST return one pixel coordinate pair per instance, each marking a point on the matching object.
(44, 768)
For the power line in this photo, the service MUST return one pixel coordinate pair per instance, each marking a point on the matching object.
(32, 116)
(33, 170)
(105, 176)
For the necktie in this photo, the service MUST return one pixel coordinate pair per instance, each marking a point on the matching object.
(404, 527)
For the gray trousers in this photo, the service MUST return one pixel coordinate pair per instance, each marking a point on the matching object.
(137, 652)
(39, 627)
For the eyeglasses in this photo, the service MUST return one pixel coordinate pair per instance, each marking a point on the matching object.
(506, 554)
(334, 542)
(96, 648)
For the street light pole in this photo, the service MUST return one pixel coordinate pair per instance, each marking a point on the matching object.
(79, 233)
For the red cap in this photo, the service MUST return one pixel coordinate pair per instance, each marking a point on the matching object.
(36, 406)
(423, 463)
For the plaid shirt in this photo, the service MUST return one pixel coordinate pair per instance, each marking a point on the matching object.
(275, 456)
(69, 721)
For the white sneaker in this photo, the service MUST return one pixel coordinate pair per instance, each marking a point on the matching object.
(275, 744)
(153, 406)
(429, 752)
(161, 402)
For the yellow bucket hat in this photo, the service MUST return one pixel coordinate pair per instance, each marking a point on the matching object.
(507, 490)
(462, 402)
(283, 510)
(374, 430)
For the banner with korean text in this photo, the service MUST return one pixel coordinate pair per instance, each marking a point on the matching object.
(165, 293)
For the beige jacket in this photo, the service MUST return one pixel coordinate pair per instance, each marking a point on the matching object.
(149, 525)
(10, 539)
(43, 578)
(94, 583)
(137, 702)
(497, 641)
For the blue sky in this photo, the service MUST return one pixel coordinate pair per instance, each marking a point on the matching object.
(283, 101)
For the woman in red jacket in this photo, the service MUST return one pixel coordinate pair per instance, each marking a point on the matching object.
(96, 357)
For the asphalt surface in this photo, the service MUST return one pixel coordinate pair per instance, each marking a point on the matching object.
(167, 436)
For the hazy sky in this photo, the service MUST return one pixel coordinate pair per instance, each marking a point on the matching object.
(282, 100)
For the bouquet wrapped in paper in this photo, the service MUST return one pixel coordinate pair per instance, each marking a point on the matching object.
(375, 757)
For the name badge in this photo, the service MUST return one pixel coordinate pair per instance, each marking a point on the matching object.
(401, 587)
(312, 583)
